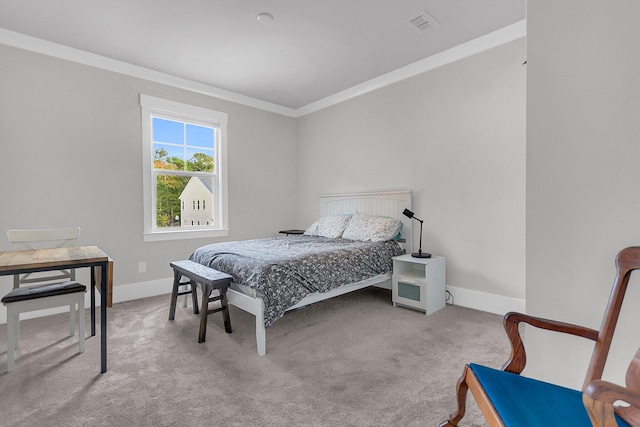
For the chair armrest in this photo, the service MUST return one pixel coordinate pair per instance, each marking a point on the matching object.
(511, 323)
(599, 397)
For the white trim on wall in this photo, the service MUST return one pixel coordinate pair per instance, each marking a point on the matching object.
(491, 303)
(121, 293)
(33, 44)
(480, 44)
(476, 300)
(139, 290)
(158, 107)
(486, 42)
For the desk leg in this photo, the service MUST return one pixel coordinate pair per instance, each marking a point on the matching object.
(93, 301)
(103, 318)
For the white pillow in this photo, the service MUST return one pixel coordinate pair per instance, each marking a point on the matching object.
(328, 226)
(371, 228)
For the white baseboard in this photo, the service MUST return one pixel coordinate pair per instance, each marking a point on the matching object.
(477, 300)
(492, 303)
(142, 290)
(122, 293)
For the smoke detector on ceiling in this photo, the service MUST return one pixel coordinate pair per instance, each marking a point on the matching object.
(423, 21)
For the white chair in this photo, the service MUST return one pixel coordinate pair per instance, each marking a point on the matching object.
(49, 293)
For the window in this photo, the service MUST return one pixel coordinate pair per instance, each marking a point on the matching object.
(184, 162)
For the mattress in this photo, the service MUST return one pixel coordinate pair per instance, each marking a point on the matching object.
(283, 270)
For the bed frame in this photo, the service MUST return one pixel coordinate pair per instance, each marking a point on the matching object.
(390, 204)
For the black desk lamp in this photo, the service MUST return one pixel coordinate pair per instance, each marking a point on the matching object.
(418, 254)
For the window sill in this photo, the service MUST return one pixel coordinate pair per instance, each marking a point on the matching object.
(158, 236)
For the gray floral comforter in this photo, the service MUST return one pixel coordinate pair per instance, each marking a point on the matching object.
(283, 270)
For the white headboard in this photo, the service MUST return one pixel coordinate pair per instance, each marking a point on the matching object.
(388, 203)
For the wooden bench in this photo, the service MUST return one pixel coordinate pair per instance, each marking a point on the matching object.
(208, 279)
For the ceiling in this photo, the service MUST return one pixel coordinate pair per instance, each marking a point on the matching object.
(312, 49)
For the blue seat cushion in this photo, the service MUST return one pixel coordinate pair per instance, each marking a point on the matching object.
(524, 402)
(33, 292)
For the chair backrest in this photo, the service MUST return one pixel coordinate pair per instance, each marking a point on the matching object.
(41, 239)
(627, 261)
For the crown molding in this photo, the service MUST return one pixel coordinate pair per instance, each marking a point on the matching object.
(34, 44)
(480, 44)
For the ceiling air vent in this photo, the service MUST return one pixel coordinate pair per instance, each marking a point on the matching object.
(423, 21)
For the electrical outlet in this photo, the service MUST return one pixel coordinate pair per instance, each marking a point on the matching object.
(142, 267)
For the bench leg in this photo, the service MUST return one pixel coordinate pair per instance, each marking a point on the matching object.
(174, 294)
(225, 310)
(194, 296)
(202, 333)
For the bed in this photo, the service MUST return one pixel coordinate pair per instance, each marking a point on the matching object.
(279, 274)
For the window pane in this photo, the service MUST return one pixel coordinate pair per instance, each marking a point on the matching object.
(200, 160)
(182, 201)
(168, 131)
(168, 191)
(200, 136)
(168, 157)
(198, 197)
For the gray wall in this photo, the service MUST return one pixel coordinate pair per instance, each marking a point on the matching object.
(70, 138)
(71, 151)
(583, 146)
(455, 137)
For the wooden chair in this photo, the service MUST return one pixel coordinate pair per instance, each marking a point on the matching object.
(508, 399)
(49, 292)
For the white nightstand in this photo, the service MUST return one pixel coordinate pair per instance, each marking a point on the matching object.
(419, 282)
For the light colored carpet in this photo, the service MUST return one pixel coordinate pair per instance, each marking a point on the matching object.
(354, 360)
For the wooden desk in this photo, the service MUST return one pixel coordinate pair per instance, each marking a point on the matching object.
(20, 262)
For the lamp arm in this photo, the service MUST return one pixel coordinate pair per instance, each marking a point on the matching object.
(418, 254)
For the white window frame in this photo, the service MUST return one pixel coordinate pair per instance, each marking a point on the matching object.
(152, 106)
